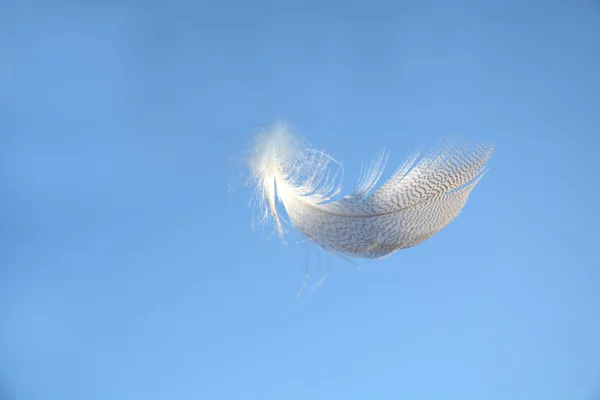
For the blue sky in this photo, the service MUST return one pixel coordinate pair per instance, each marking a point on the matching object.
(128, 269)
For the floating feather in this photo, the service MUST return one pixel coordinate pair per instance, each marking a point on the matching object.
(419, 199)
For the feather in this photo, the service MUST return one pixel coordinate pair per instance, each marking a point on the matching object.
(418, 200)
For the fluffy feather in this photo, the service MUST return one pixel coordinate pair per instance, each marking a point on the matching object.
(420, 198)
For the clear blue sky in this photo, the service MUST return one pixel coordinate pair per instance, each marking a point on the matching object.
(128, 269)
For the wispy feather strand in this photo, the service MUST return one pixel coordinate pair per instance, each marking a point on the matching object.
(419, 199)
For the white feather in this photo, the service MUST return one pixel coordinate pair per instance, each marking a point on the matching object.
(416, 202)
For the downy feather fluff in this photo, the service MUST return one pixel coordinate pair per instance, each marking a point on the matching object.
(418, 200)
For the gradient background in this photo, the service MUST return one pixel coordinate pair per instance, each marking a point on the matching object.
(128, 269)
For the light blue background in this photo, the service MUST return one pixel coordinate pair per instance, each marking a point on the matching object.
(128, 269)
